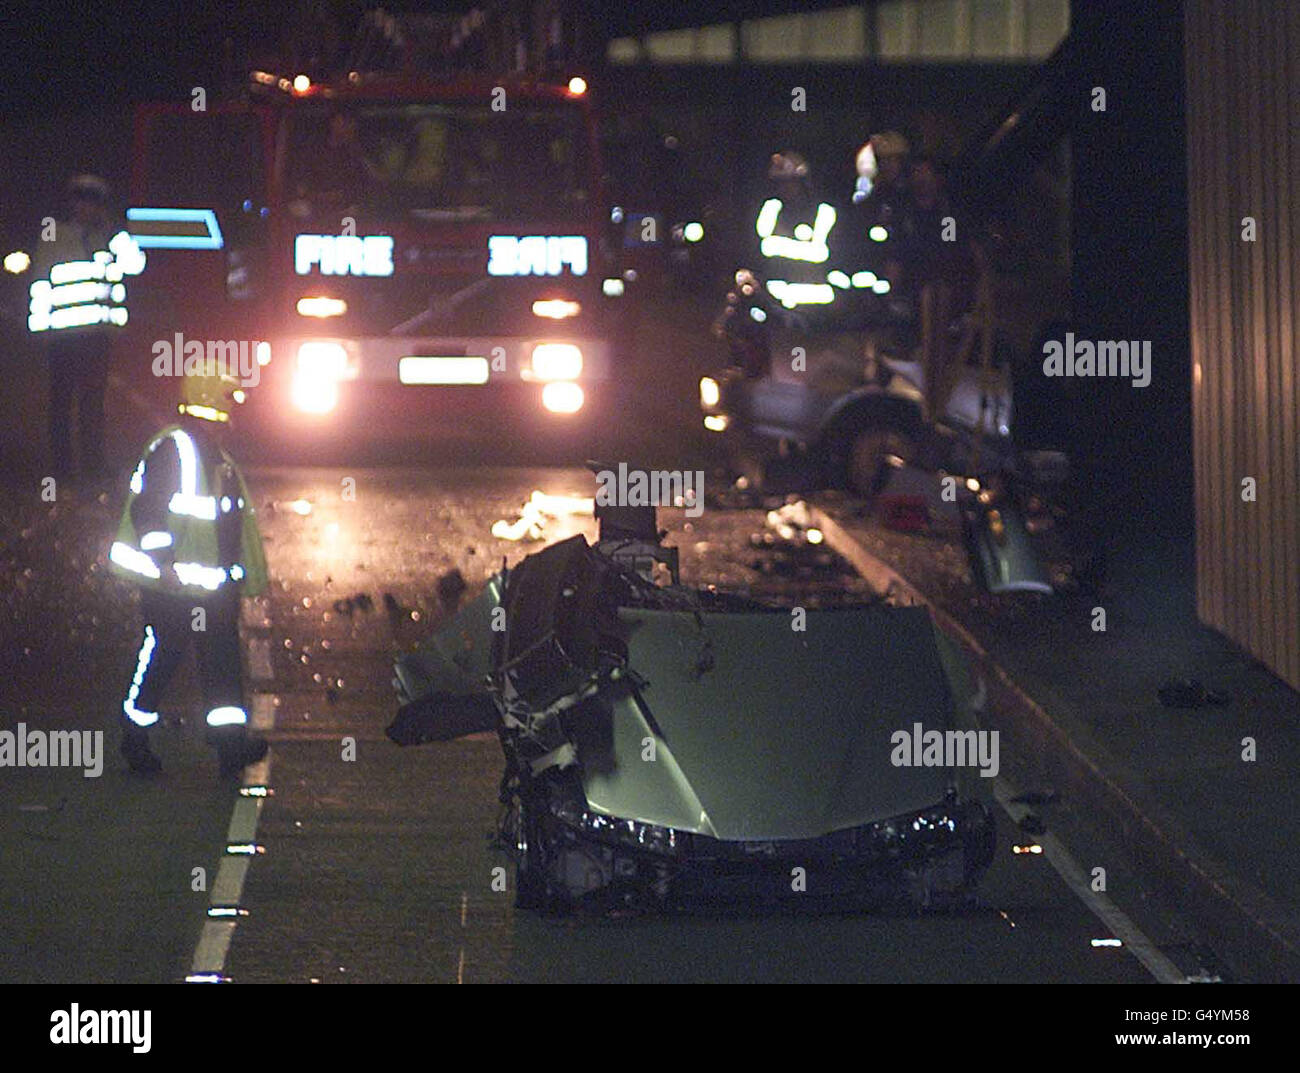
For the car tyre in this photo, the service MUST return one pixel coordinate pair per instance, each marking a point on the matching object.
(868, 464)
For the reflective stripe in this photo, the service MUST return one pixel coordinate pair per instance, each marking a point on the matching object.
(154, 540)
(131, 559)
(129, 256)
(205, 577)
(186, 501)
(236, 573)
(767, 217)
(812, 249)
(793, 294)
(204, 507)
(138, 717)
(68, 294)
(227, 716)
(189, 461)
(137, 478)
(75, 272)
(207, 413)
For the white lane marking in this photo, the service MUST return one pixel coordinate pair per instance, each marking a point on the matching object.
(259, 659)
(1142, 948)
(210, 954)
(209, 962)
(229, 887)
(243, 820)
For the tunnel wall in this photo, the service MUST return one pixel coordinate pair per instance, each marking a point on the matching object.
(1243, 112)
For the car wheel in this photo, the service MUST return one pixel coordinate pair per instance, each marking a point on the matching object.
(868, 464)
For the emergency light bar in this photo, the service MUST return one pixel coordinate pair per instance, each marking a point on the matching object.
(175, 229)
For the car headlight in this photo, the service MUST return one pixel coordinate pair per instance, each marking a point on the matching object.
(556, 361)
(631, 833)
(710, 393)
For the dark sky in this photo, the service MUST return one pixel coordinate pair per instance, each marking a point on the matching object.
(76, 56)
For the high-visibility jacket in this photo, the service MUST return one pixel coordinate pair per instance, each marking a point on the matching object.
(794, 252)
(80, 278)
(188, 525)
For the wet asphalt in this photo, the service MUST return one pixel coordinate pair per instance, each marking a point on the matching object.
(378, 868)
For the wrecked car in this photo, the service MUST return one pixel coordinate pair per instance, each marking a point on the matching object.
(668, 747)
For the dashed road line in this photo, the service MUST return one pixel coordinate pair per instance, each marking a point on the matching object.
(1074, 877)
(225, 902)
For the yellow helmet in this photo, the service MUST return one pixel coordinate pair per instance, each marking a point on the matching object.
(210, 396)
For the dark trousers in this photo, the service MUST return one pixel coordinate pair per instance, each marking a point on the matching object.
(78, 364)
(171, 619)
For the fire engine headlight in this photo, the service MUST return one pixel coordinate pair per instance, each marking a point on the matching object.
(556, 308)
(329, 360)
(710, 393)
(17, 262)
(315, 384)
(562, 397)
(321, 306)
(556, 361)
(314, 395)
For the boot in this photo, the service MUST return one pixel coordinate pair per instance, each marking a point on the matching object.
(135, 747)
(236, 748)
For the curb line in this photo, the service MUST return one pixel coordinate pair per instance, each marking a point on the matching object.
(1246, 927)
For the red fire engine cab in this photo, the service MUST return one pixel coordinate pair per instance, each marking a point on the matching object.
(385, 247)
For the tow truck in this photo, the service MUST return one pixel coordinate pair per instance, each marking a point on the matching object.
(398, 244)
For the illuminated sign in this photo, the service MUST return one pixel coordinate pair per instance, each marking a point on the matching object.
(174, 229)
(536, 255)
(344, 255)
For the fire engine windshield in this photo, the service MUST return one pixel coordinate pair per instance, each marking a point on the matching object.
(441, 160)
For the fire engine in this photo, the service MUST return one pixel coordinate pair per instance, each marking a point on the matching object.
(406, 238)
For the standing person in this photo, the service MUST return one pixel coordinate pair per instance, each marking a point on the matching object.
(794, 228)
(868, 246)
(189, 539)
(78, 300)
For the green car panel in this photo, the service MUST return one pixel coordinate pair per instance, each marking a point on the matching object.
(786, 736)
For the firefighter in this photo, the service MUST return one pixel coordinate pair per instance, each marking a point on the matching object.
(78, 300)
(189, 539)
(794, 228)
